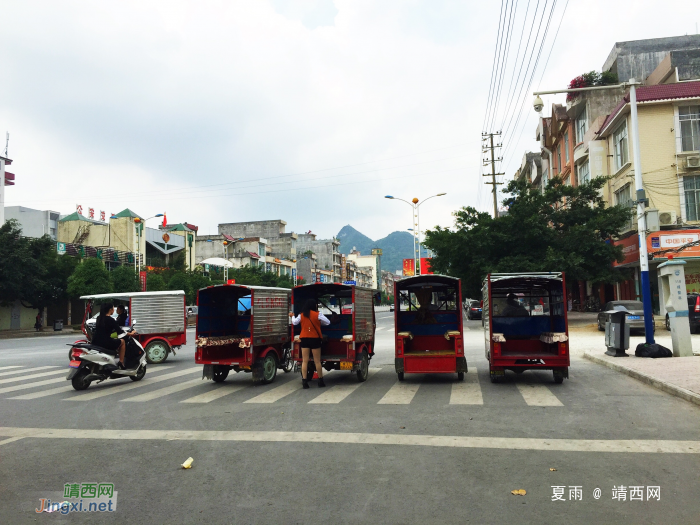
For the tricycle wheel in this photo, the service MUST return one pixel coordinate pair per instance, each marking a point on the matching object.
(558, 377)
(287, 361)
(220, 373)
(460, 376)
(268, 368)
(400, 374)
(156, 352)
(363, 371)
(78, 380)
(139, 375)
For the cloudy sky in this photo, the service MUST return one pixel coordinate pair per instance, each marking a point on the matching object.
(310, 111)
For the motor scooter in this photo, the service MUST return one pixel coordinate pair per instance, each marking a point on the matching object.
(93, 363)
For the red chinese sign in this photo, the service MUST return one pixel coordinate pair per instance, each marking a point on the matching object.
(271, 302)
(142, 278)
(425, 266)
(102, 216)
(91, 213)
(79, 209)
(409, 267)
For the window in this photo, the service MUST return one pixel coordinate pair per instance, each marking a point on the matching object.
(620, 146)
(559, 157)
(261, 249)
(689, 117)
(584, 173)
(566, 147)
(581, 125)
(691, 185)
(623, 197)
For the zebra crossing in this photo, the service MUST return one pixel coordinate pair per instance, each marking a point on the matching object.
(382, 388)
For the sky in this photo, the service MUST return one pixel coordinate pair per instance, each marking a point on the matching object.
(310, 111)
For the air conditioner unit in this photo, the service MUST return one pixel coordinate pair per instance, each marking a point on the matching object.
(667, 218)
(692, 162)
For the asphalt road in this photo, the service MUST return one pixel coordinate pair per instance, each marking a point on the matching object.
(428, 450)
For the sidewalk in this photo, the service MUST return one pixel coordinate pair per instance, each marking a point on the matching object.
(678, 376)
(47, 332)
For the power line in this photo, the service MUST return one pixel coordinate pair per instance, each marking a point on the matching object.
(493, 67)
(553, 42)
(504, 66)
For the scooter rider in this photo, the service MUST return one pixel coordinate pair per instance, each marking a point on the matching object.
(105, 326)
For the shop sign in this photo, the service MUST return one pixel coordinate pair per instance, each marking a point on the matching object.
(61, 248)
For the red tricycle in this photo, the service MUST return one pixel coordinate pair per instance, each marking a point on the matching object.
(243, 328)
(428, 326)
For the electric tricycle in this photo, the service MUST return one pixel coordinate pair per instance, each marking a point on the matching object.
(526, 324)
(244, 329)
(348, 342)
(428, 326)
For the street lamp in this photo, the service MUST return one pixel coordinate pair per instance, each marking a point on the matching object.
(138, 221)
(641, 197)
(415, 218)
(224, 244)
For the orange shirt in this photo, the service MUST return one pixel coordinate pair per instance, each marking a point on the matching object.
(310, 328)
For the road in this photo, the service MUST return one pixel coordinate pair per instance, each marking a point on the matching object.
(428, 450)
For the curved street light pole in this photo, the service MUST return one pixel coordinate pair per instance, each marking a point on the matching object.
(139, 220)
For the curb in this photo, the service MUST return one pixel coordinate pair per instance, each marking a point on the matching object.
(649, 380)
(27, 335)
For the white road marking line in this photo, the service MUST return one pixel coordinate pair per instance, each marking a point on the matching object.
(65, 389)
(281, 391)
(337, 393)
(467, 392)
(538, 395)
(7, 367)
(613, 446)
(32, 376)
(214, 394)
(155, 394)
(15, 372)
(379, 328)
(36, 384)
(400, 394)
(10, 440)
(131, 385)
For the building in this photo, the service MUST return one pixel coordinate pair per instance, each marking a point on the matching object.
(6, 179)
(326, 250)
(370, 264)
(388, 280)
(34, 223)
(283, 244)
(530, 169)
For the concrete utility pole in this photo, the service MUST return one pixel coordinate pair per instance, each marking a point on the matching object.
(493, 174)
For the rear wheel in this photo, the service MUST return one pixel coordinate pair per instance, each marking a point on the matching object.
(78, 381)
(558, 377)
(667, 322)
(460, 376)
(139, 375)
(363, 371)
(268, 368)
(601, 328)
(287, 361)
(220, 373)
(156, 352)
(400, 374)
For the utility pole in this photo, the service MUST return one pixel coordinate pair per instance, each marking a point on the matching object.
(489, 136)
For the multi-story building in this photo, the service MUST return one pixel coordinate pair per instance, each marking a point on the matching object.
(34, 223)
(530, 169)
(326, 250)
(283, 244)
(388, 280)
(372, 264)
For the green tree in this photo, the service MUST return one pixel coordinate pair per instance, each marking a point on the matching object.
(89, 278)
(180, 281)
(563, 229)
(154, 283)
(179, 262)
(124, 279)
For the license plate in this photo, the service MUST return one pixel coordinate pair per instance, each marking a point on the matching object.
(346, 365)
(633, 317)
(75, 364)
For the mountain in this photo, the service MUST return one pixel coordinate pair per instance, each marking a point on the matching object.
(396, 246)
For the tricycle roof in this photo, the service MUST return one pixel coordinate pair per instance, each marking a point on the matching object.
(417, 281)
(330, 288)
(129, 295)
(249, 287)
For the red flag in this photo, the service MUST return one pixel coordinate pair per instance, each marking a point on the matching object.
(165, 221)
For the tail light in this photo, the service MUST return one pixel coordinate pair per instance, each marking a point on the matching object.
(77, 352)
(562, 348)
(697, 304)
(496, 349)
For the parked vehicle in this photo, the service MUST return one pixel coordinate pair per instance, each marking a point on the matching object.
(391, 307)
(635, 317)
(93, 363)
(693, 314)
(192, 310)
(474, 310)
(526, 325)
(348, 342)
(244, 329)
(428, 326)
(161, 317)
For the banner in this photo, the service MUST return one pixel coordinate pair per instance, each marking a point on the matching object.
(425, 265)
(142, 278)
(409, 267)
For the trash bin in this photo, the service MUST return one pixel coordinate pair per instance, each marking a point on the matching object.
(617, 333)
(57, 325)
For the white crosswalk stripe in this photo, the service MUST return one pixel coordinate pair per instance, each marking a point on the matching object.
(35, 384)
(125, 387)
(281, 391)
(32, 376)
(538, 395)
(400, 394)
(467, 392)
(214, 394)
(337, 393)
(25, 370)
(64, 389)
(161, 392)
(8, 367)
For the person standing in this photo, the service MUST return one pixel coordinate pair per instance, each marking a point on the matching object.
(311, 339)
